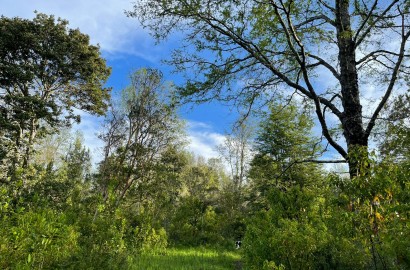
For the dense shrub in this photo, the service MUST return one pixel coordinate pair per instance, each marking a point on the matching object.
(290, 232)
(350, 224)
(102, 244)
(195, 224)
(36, 239)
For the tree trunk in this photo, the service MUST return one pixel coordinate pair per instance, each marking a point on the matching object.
(30, 143)
(352, 122)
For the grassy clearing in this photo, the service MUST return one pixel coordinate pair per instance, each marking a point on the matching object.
(189, 259)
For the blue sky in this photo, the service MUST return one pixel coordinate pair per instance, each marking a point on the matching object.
(126, 47)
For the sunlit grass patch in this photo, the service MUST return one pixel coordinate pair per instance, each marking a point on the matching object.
(189, 259)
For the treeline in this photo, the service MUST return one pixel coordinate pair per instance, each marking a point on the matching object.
(148, 193)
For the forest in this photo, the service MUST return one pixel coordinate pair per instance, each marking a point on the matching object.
(314, 173)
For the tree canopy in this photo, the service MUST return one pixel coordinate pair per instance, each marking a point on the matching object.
(329, 52)
(138, 129)
(148, 197)
(46, 71)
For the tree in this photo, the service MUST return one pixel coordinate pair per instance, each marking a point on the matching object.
(327, 51)
(286, 225)
(235, 150)
(395, 140)
(50, 149)
(78, 160)
(137, 132)
(284, 141)
(195, 220)
(46, 71)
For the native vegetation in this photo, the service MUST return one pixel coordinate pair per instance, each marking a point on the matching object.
(150, 203)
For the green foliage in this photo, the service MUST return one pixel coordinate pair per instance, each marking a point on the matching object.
(48, 225)
(294, 215)
(194, 224)
(149, 240)
(283, 142)
(335, 224)
(102, 243)
(78, 160)
(38, 239)
(58, 57)
(47, 71)
(290, 231)
(306, 221)
(285, 133)
(377, 211)
(394, 143)
(137, 132)
(204, 213)
(231, 212)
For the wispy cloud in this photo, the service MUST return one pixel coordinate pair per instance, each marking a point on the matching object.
(103, 20)
(90, 126)
(203, 140)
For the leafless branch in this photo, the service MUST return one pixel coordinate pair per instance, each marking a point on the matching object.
(360, 38)
(368, 15)
(326, 64)
(405, 36)
(375, 54)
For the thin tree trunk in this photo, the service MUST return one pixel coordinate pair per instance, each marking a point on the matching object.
(29, 147)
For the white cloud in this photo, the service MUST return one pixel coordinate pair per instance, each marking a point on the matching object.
(195, 125)
(203, 140)
(90, 126)
(103, 20)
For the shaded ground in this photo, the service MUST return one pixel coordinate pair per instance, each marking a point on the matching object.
(238, 265)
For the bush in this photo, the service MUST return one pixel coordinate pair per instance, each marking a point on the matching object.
(195, 224)
(36, 240)
(293, 237)
(360, 224)
(149, 240)
(102, 243)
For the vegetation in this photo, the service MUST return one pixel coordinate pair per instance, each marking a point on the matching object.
(188, 258)
(276, 45)
(149, 203)
(47, 70)
(304, 218)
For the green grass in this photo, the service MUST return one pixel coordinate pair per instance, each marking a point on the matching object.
(189, 259)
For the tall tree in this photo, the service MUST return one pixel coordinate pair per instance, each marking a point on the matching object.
(285, 195)
(327, 51)
(283, 143)
(46, 71)
(236, 152)
(138, 130)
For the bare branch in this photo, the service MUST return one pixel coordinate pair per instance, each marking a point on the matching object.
(290, 33)
(310, 161)
(254, 50)
(368, 15)
(325, 64)
(359, 38)
(327, 6)
(375, 54)
(393, 80)
(312, 19)
(319, 161)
